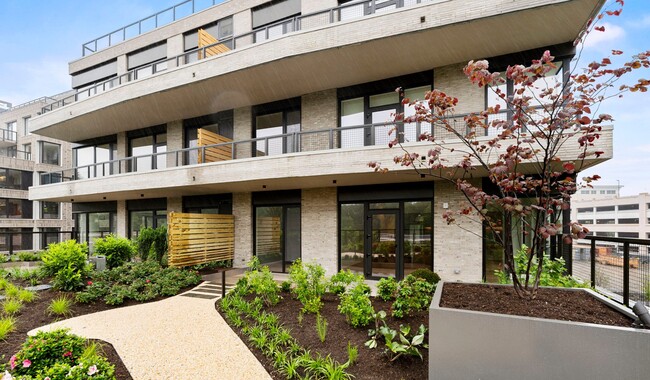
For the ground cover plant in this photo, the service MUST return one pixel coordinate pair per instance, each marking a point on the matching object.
(292, 343)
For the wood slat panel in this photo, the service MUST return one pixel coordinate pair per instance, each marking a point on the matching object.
(200, 238)
(214, 154)
(206, 39)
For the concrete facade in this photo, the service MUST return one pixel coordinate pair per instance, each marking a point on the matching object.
(324, 63)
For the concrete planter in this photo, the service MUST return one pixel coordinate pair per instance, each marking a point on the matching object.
(20, 264)
(477, 345)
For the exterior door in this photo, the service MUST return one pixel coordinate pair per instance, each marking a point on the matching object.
(383, 244)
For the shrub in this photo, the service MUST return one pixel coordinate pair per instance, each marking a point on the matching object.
(11, 291)
(60, 306)
(117, 250)
(427, 274)
(152, 244)
(285, 286)
(386, 288)
(340, 281)
(12, 306)
(261, 283)
(26, 296)
(413, 294)
(66, 261)
(29, 256)
(356, 306)
(321, 327)
(7, 325)
(310, 284)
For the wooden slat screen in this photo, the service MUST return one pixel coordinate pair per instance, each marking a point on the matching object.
(206, 39)
(268, 235)
(199, 238)
(214, 154)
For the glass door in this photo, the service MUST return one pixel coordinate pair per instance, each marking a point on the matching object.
(383, 242)
(382, 126)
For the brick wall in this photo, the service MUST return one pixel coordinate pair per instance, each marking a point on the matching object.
(243, 212)
(243, 125)
(319, 226)
(318, 112)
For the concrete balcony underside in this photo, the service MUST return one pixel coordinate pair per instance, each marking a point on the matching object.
(290, 171)
(337, 55)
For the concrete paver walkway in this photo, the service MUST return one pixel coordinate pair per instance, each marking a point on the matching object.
(177, 338)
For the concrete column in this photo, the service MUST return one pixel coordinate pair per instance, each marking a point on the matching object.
(174, 142)
(175, 47)
(122, 150)
(122, 65)
(242, 22)
(243, 130)
(174, 204)
(36, 240)
(319, 228)
(122, 219)
(457, 253)
(242, 209)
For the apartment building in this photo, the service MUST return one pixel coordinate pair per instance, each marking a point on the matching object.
(27, 224)
(271, 110)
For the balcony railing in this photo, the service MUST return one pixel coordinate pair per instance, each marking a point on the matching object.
(8, 135)
(616, 267)
(304, 22)
(13, 153)
(164, 17)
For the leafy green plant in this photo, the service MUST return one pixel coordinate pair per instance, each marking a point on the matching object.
(553, 271)
(3, 283)
(12, 291)
(152, 244)
(426, 274)
(310, 284)
(356, 305)
(66, 261)
(386, 288)
(29, 256)
(12, 306)
(646, 290)
(260, 282)
(26, 296)
(340, 281)
(117, 250)
(327, 368)
(7, 325)
(404, 345)
(321, 327)
(353, 353)
(285, 286)
(413, 294)
(60, 306)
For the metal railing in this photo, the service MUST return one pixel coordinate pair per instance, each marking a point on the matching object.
(304, 22)
(14, 241)
(13, 153)
(164, 17)
(8, 135)
(42, 99)
(616, 267)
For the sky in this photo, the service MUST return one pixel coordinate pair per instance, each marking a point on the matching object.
(40, 37)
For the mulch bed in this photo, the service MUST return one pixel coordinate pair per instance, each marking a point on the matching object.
(371, 364)
(550, 303)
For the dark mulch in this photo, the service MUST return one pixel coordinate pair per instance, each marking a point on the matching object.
(550, 303)
(371, 364)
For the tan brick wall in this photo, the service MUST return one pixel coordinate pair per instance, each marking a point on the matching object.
(451, 80)
(174, 141)
(457, 249)
(122, 217)
(243, 130)
(319, 227)
(319, 111)
(174, 204)
(243, 212)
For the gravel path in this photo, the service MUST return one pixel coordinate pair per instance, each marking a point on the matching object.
(176, 338)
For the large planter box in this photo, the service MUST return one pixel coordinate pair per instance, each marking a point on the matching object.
(477, 345)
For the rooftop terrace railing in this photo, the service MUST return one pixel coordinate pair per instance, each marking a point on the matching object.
(164, 17)
(303, 22)
(616, 267)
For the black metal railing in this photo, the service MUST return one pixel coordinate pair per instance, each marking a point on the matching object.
(15, 241)
(616, 267)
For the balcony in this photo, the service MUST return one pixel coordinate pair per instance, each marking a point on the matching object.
(303, 159)
(8, 138)
(313, 53)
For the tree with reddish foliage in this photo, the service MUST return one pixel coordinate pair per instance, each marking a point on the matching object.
(527, 155)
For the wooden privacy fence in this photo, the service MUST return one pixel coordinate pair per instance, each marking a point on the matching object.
(215, 153)
(199, 238)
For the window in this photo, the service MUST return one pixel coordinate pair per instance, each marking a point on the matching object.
(585, 221)
(15, 208)
(605, 221)
(17, 238)
(633, 235)
(584, 191)
(585, 209)
(50, 153)
(606, 234)
(277, 119)
(146, 150)
(628, 221)
(605, 208)
(50, 210)
(93, 161)
(27, 152)
(634, 206)
(146, 219)
(26, 131)
(9, 133)
(15, 179)
(270, 15)
(221, 30)
(611, 191)
(94, 225)
(49, 235)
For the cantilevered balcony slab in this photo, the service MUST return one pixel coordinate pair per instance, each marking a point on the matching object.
(288, 171)
(370, 48)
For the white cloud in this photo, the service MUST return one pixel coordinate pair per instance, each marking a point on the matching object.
(604, 41)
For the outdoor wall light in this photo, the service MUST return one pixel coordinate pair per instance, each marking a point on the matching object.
(422, 175)
(263, 186)
(334, 181)
(71, 200)
(642, 312)
(423, 18)
(142, 195)
(104, 198)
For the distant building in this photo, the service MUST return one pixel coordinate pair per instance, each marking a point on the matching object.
(4, 106)
(597, 192)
